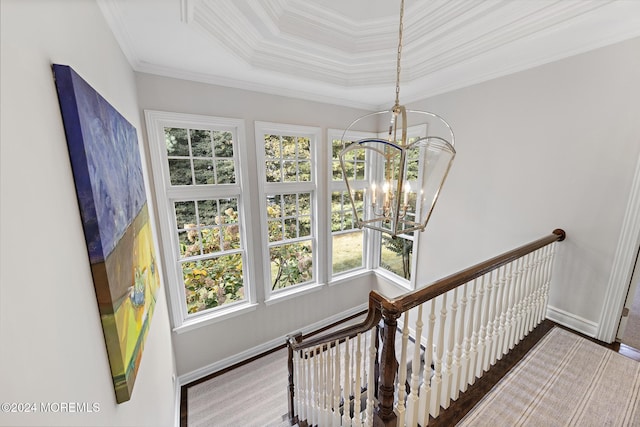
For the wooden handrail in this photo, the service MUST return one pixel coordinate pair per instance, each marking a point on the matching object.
(379, 303)
(374, 314)
(415, 298)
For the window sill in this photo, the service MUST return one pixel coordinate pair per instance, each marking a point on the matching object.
(349, 276)
(293, 293)
(217, 316)
(394, 279)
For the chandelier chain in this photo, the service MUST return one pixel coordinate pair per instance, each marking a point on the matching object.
(399, 53)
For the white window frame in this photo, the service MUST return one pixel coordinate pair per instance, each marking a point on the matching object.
(315, 137)
(333, 186)
(166, 194)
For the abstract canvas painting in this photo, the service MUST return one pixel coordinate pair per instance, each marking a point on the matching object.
(107, 170)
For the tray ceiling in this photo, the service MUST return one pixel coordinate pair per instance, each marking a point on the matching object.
(344, 51)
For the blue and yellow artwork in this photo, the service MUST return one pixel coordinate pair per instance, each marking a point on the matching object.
(107, 170)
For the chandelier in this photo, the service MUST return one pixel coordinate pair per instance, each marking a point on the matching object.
(406, 168)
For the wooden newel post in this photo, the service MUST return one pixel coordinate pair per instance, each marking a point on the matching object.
(384, 415)
(290, 340)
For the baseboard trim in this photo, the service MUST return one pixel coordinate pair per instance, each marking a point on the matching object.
(570, 320)
(268, 346)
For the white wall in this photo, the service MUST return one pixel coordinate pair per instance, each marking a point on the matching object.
(200, 350)
(554, 146)
(51, 344)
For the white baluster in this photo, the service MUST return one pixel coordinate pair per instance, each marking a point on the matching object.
(447, 377)
(529, 296)
(316, 389)
(297, 385)
(371, 378)
(324, 384)
(517, 314)
(524, 298)
(457, 355)
(483, 309)
(357, 421)
(549, 271)
(346, 419)
(402, 371)
(488, 322)
(475, 334)
(469, 303)
(535, 294)
(304, 395)
(425, 389)
(511, 301)
(505, 311)
(498, 320)
(436, 380)
(336, 386)
(412, 400)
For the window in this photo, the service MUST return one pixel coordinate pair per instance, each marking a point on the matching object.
(396, 255)
(348, 249)
(198, 181)
(287, 169)
(309, 233)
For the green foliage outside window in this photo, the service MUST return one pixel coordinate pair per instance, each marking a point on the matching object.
(212, 282)
(289, 218)
(396, 255)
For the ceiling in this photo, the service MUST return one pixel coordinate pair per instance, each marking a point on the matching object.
(344, 51)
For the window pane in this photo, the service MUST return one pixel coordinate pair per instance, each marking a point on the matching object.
(336, 148)
(341, 210)
(272, 146)
(229, 211)
(180, 172)
(304, 226)
(273, 171)
(290, 204)
(203, 171)
(189, 243)
(275, 230)
(347, 251)
(273, 206)
(211, 240)
(176, 141)
(213, 282)
(231, 237)
(304, 203)
(289, 147)
(225, 172)
(304, 172)
(290, 228)
(207, 212)
(223, 144)
(290, 170)
(200, 143)
(291, 264)
(360, 166)
(185, 214)
(304, 148)
(395, 256)
(336, 170)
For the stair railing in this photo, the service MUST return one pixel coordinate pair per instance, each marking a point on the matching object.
(452, 332)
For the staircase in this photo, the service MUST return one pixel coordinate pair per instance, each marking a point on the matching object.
(413, 355)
